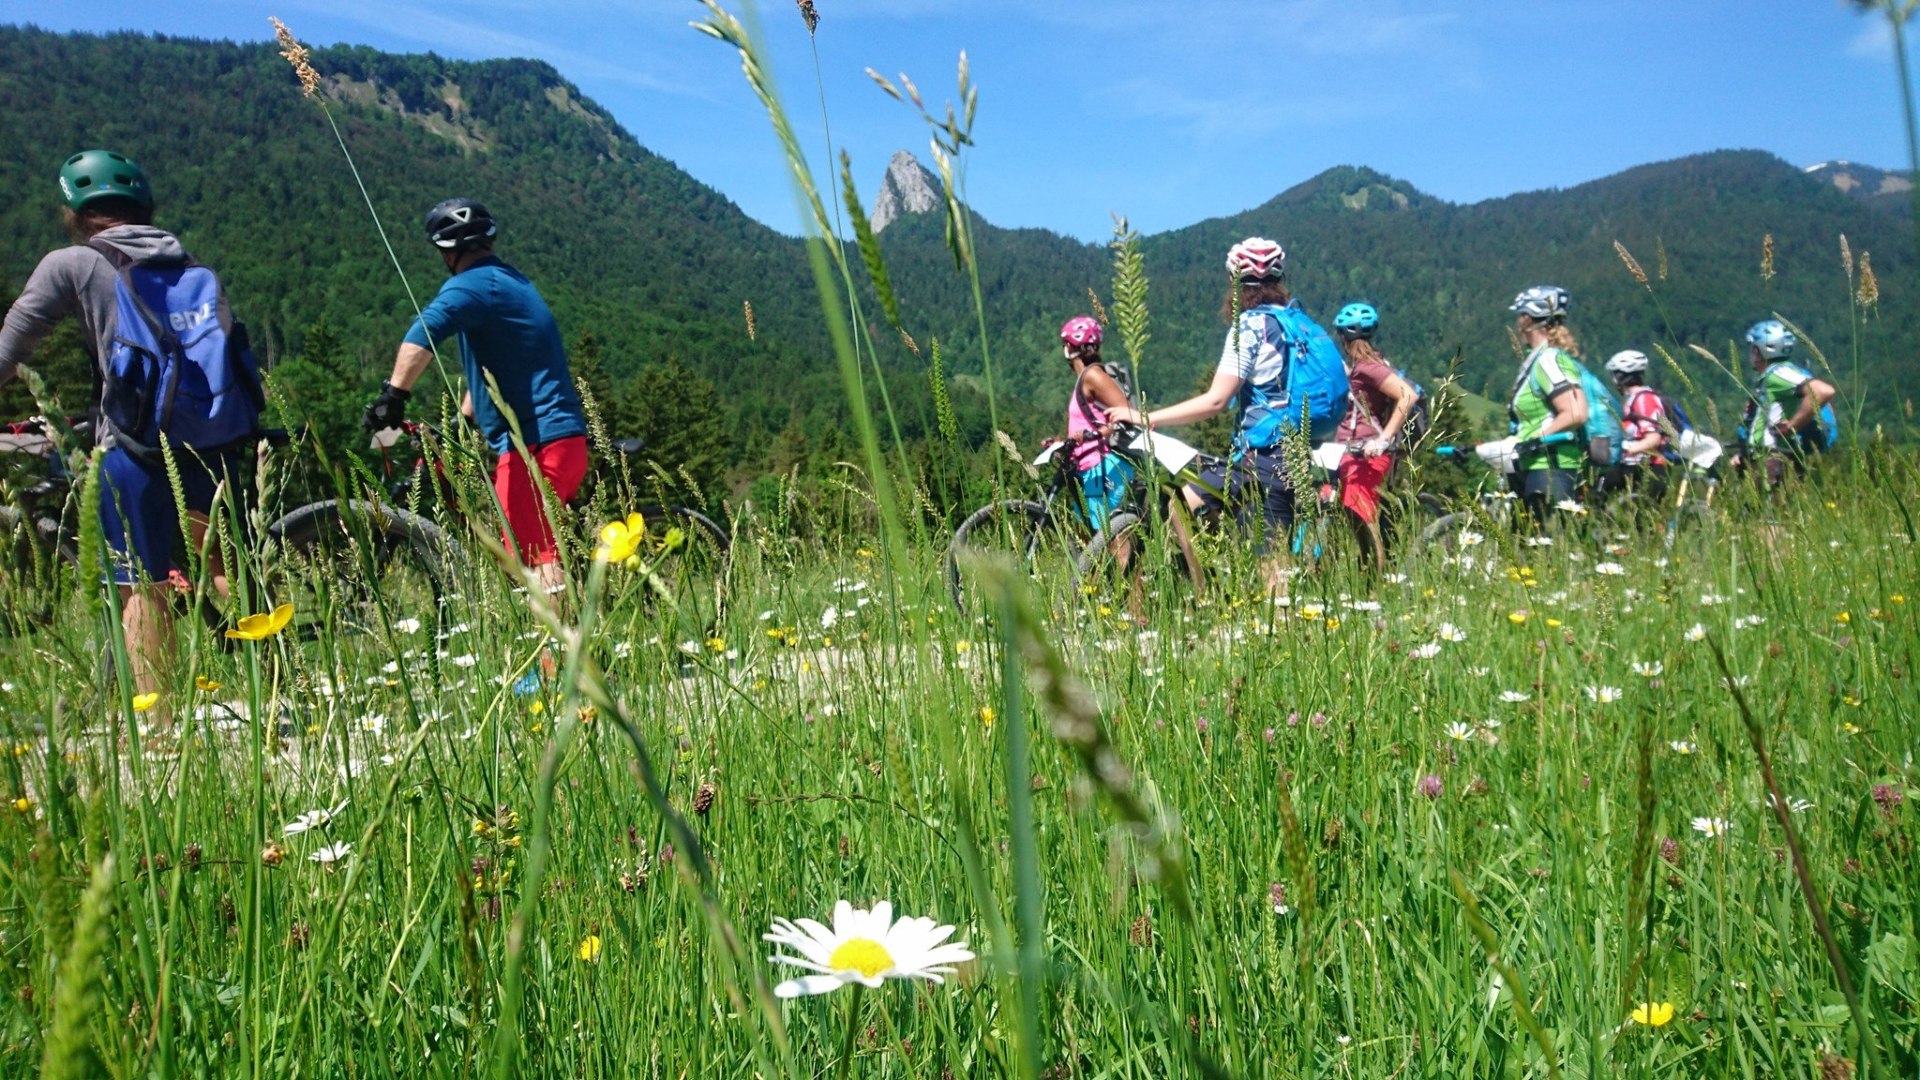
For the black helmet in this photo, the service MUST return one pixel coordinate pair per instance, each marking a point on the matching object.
(460, 225)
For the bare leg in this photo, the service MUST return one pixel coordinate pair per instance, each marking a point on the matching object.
(553, 578)
(148, 625)
(197, 528)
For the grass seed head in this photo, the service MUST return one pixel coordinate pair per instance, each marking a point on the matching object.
(298, 56)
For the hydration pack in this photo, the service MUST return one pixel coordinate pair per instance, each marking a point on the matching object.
(179, 366)
(1606, 434)
(1312, 385)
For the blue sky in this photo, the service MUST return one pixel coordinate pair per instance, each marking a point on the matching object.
(1169, 111)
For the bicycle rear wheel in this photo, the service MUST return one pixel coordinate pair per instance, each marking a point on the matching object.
(1037, 544)
(688, 554)
(340, 563)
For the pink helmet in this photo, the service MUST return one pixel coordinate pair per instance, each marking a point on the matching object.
(1255, 258)
(1081, 332)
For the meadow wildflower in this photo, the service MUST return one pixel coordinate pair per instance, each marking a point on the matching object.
(1517, 618)
(1654, 1014)
(143, 702)
(1681, 746)
(23, 804)
(866, 947)
(1610, 569)
(620, 540)
(1793, 805)
(1569, 506)
(1711, 826)
(312, 819)
(206, 685)
(1459, 731)
(262, 627)
(331, 854)
(1425, 652)
(1450, 632)
(1431, 786)
(1648, 669)
(1514, 697)
(1696, 632)
(589, 950)
(1604, 695)
(407, 626)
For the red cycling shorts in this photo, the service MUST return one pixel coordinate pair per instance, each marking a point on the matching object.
(1360, 481)
(563, 464)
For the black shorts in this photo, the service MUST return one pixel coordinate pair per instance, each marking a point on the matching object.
(1544, 489)
(1256, 473)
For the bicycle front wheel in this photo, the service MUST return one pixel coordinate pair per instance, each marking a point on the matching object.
(1018, 533)
(341, 562)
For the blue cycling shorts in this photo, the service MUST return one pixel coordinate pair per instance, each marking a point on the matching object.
(141, 518)
(1103, 489)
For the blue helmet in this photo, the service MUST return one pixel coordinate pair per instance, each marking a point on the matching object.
(1357, 320)
(1772, 338)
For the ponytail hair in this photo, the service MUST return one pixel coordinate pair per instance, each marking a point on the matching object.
(1562, 338)
(1359, 350)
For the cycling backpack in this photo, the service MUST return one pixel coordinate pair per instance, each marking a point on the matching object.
(179, 366)
(1421, 418)
(1606, 435)
(1313, 384)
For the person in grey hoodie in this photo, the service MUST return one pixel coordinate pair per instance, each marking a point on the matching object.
(108, 198)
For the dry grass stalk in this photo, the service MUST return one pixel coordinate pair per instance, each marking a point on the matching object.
(753, 332)
(808, 15)
(1633, 265)
(1766, 258)
(1869, 294)
(297, 55)
(1846, 256)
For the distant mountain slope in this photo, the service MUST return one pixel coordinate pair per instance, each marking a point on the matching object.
(1879, 188)
(1443, 273)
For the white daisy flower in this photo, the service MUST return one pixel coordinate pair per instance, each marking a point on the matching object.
(1450, 632)
(465, 660)
(1459, 731)
(1744, 622)
(1539, 541)
(1469, 538)
(1396, 579)
(1794, 806)
(1648, 670)
(1514, 697)
(1610, 569)
(1712, 599)
(1569, 506)
(407, 626)
(829, 617)
(331, 854)
(865, 947)
(312, 819)
(1711, 826)
(391, 667)
(1696, 632)
(1479, 672)
(1605, 695)
(1738, 682)
(1426, 652)
(1367, 606)
(623, 649)
(1681, 746)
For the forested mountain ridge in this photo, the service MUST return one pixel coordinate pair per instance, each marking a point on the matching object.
(650, 271)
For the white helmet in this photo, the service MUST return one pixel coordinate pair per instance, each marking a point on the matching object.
(1256, 259)
(1544, 303)
(1772, 338)
(1627, 362)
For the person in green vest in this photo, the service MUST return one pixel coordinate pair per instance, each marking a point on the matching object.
(1789, 414)
(1548, 408)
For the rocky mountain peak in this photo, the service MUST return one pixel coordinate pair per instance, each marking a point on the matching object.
(908, 189)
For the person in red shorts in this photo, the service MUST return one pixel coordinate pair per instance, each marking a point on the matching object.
(507, 333)
(1382, 403)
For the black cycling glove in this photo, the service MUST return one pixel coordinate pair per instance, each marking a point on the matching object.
(387, 410)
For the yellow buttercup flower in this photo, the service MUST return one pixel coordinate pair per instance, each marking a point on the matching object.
(987, 715)
(1654, 1014)
(262, 627)
(1843, 618)
(620, 540)
(589, 950)
(23, 804)
(1517, 618)
(205, 685)
(143, 702)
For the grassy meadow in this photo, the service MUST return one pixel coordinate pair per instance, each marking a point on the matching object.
(1245, 840)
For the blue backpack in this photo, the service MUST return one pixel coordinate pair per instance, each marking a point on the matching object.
(1606, 434)
(1315, 382)
(180, 366)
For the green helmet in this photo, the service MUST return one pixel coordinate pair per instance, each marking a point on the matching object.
(99, 174)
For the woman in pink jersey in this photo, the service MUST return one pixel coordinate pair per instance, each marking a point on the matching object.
(1382, 403)
(1104, 475)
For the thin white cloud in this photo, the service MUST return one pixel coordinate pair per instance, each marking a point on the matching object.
(1873, 42)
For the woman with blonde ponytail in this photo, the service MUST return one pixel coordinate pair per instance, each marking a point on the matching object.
(1548, 406)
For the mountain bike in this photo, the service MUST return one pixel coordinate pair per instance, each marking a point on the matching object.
(1051, 540)
(685, 551)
